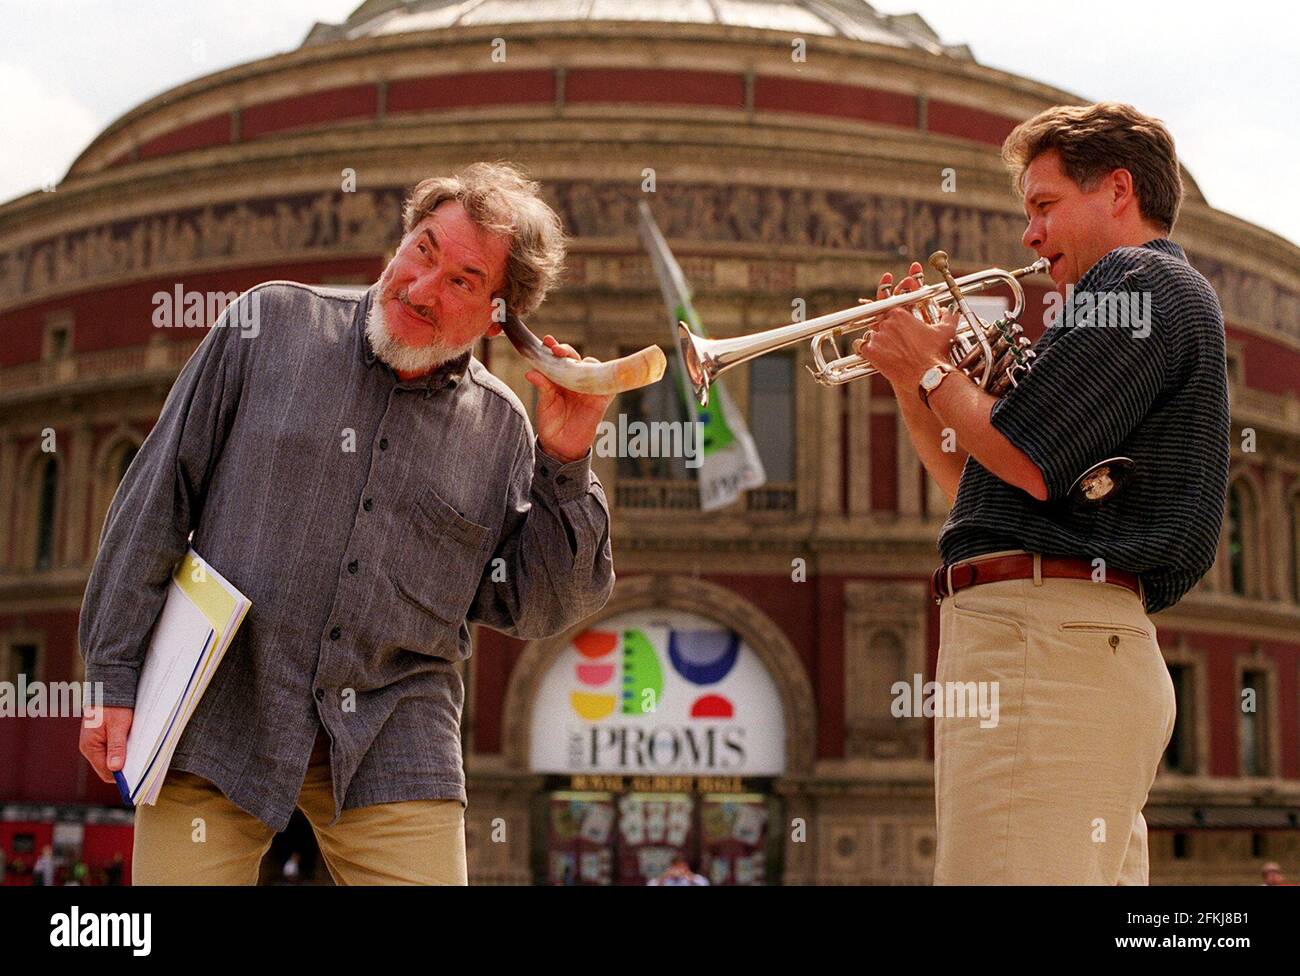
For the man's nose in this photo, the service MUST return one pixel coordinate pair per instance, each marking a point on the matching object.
(424, 289)
(1033, 236)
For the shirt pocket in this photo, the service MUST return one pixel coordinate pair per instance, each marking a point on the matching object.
(440, 563)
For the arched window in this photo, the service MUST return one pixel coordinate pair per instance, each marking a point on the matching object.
(1243, 538)
(125, 456)
(112, 463)
(47, 486)
(1253, 729)
(872, 728)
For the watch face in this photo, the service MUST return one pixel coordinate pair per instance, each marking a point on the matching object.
(932, 377)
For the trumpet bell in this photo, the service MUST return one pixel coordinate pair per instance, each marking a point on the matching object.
(1100, 483)
(694, 357)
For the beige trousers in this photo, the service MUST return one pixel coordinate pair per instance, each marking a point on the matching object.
(195, 836)
(1052, 790)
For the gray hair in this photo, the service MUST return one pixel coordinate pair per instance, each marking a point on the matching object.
(500, 199)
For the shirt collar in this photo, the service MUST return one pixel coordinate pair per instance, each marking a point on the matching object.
(1100, 275)
(449, 373)
(1165, 246)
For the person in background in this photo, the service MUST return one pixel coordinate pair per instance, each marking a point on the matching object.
(46, 867)
(1272, 872)
(113, 873)
(679, 873)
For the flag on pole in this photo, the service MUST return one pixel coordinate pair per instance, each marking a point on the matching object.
(729, 462)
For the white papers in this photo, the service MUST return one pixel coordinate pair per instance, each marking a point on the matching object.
(196, 625)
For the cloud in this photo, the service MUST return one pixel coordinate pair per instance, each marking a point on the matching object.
(44, 131)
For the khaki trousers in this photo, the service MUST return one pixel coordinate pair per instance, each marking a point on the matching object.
(195, 836)
(1052, 793)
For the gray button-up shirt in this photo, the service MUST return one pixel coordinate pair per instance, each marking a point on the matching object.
(368, 520)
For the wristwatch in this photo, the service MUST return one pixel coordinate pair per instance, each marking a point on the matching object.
(931, 379)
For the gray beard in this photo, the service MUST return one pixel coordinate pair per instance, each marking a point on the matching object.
(404, 358)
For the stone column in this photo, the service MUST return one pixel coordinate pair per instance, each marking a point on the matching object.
(77, 492)
(909, 472)
(823, 438)
(1276, 531)
(8, 499)
(859, 447)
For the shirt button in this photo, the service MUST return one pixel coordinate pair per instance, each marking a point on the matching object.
(383, 443)
(561, 479)
(368, 504)
(352, 566)
(335, 633)
(320, 694)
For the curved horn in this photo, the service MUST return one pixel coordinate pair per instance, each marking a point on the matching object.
(616, 376)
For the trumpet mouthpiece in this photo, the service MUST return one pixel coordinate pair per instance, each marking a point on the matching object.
(939, 261)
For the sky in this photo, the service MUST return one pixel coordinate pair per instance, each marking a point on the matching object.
(1223, 77)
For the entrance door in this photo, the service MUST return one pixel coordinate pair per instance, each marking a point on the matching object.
(602, 838)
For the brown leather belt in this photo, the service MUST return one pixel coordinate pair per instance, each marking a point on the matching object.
(994, 570)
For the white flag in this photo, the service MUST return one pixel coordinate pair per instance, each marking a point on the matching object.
(729, 461)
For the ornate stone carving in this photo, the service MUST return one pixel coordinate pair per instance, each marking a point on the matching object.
(884, 642)
(370, 220)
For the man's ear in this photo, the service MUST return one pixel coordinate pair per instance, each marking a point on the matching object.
(1121, 189)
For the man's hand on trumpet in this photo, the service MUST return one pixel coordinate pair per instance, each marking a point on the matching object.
(901, 344)
(566, 421)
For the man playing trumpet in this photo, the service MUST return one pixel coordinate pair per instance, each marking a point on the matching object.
(1047, 599)
(372, 489)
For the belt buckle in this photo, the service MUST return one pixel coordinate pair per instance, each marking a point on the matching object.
(937, 583)
(942, 577)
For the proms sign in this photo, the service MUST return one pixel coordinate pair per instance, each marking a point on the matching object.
(658, 692)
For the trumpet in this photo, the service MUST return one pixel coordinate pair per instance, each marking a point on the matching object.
(993, 354)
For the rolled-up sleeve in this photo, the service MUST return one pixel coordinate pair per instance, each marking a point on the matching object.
(553, 565)
(157, 505)
(1084, 394)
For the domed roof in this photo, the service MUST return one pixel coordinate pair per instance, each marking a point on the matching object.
(853, 19)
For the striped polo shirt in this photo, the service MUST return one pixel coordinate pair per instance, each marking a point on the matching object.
(1133, 364)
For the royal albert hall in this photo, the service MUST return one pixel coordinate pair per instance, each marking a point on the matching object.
(791, 151)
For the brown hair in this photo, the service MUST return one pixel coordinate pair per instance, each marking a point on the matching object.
(500, 199)
(1094, 140)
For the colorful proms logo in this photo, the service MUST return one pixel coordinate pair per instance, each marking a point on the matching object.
(658, 691)
(701, 657)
